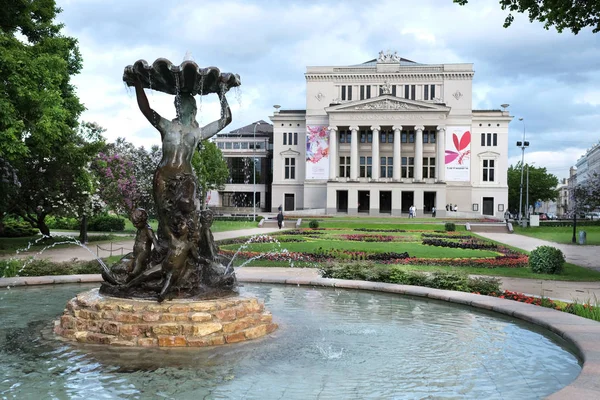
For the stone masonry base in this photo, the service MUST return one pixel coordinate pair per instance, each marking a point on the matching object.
(93, 318)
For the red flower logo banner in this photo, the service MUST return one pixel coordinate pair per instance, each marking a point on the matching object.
(462, 152)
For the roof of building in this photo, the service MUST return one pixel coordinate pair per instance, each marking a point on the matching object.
(262, 127)
(292, 111)
(373, 62)
(482, 111)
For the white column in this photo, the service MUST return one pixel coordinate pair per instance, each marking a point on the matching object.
(375, 153)
(333, 152)
(354, 153)
(440, 163)
(397, 152)
(419, 153)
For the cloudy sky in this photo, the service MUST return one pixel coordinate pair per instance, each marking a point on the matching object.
(551, 80)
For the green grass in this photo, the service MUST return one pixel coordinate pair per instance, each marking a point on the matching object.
(413, 249)
(217, 226)
(561, 234)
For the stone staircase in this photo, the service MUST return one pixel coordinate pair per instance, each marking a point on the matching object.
(490, 228)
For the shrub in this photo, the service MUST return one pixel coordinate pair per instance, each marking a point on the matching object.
(43, 267)
(106, 223)
(450, 227)
(313, 224)
(71, 224)
(14, 228)
(483, 285)
(546, 260)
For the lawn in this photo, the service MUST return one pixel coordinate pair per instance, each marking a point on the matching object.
(217, 226)
(330, 242)
(382, 223)
(561, 234)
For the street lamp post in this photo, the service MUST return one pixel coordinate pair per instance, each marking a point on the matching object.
(522, 145)
(254, 173)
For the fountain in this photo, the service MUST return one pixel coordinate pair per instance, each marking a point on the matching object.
(181, 262)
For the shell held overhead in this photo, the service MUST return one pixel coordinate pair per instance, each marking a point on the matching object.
(188, 77)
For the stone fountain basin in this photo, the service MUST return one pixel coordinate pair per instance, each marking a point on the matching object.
(162, 75)
(95, 318)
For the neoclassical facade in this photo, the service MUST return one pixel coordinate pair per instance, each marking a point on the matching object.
(380, 137)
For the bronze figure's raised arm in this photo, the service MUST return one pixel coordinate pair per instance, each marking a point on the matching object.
(184, 259)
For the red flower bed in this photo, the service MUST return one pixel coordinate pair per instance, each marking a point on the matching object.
(368, 238)
(520, 297)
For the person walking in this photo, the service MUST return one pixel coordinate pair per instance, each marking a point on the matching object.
(280, 219)
(433, 211)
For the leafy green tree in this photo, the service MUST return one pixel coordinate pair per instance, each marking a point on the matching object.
(58, 183)
(38, 103)
(211, 169)
(9, 185)
(562, 14)
(542, 185)
(587, 195)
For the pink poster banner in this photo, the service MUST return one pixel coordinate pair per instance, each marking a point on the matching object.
(458, 153)
(317, 152)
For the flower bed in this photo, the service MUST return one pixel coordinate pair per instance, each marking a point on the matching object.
(472, 243)
(368, 238)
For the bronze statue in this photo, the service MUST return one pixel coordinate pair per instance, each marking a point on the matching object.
(184, 259)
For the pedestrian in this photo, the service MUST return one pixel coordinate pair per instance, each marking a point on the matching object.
(433, 211)
(447, 207)
(280, 219)
(455, 208)
(410, 212)
(414, 212)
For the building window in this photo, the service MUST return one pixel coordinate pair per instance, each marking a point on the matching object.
(228, 146)
(290, 138)
(411, 136)
(365, 167)
(408, 167)
(429, 136)
(413, 92)
(349, 92)
(236, 145)
(290, 168)
(432, 136)
(244, 145)
(285, 138)
(406, 91)
(432, 92)
(362, 92)
(343, 92)
(393, 90)
(368, 91)
(489, 139)
(295, 137)
(387, 167)
(344, 167)
(363, 136)
(369, 137)
(425, 136)
(488, 170)
(428, 167)
(426, 92)
(220, 145)
(403, 137)
(383, 136)
(390, 137)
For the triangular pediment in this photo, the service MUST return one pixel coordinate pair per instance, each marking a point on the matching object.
(387, 102)
(290, 153)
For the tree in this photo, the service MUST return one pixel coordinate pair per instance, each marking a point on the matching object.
(9, 185)
(135, 168)
(38, 104)
(211, 169)
(587, 195)
(542, 185)
(58, 183)
(562, 14)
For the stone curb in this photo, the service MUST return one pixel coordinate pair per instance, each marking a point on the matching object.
(581, 332)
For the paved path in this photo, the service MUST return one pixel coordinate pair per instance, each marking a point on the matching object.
(585, 256)
(93, 249)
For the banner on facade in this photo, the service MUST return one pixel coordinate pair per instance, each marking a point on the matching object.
(317, 152)
(458, 153)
